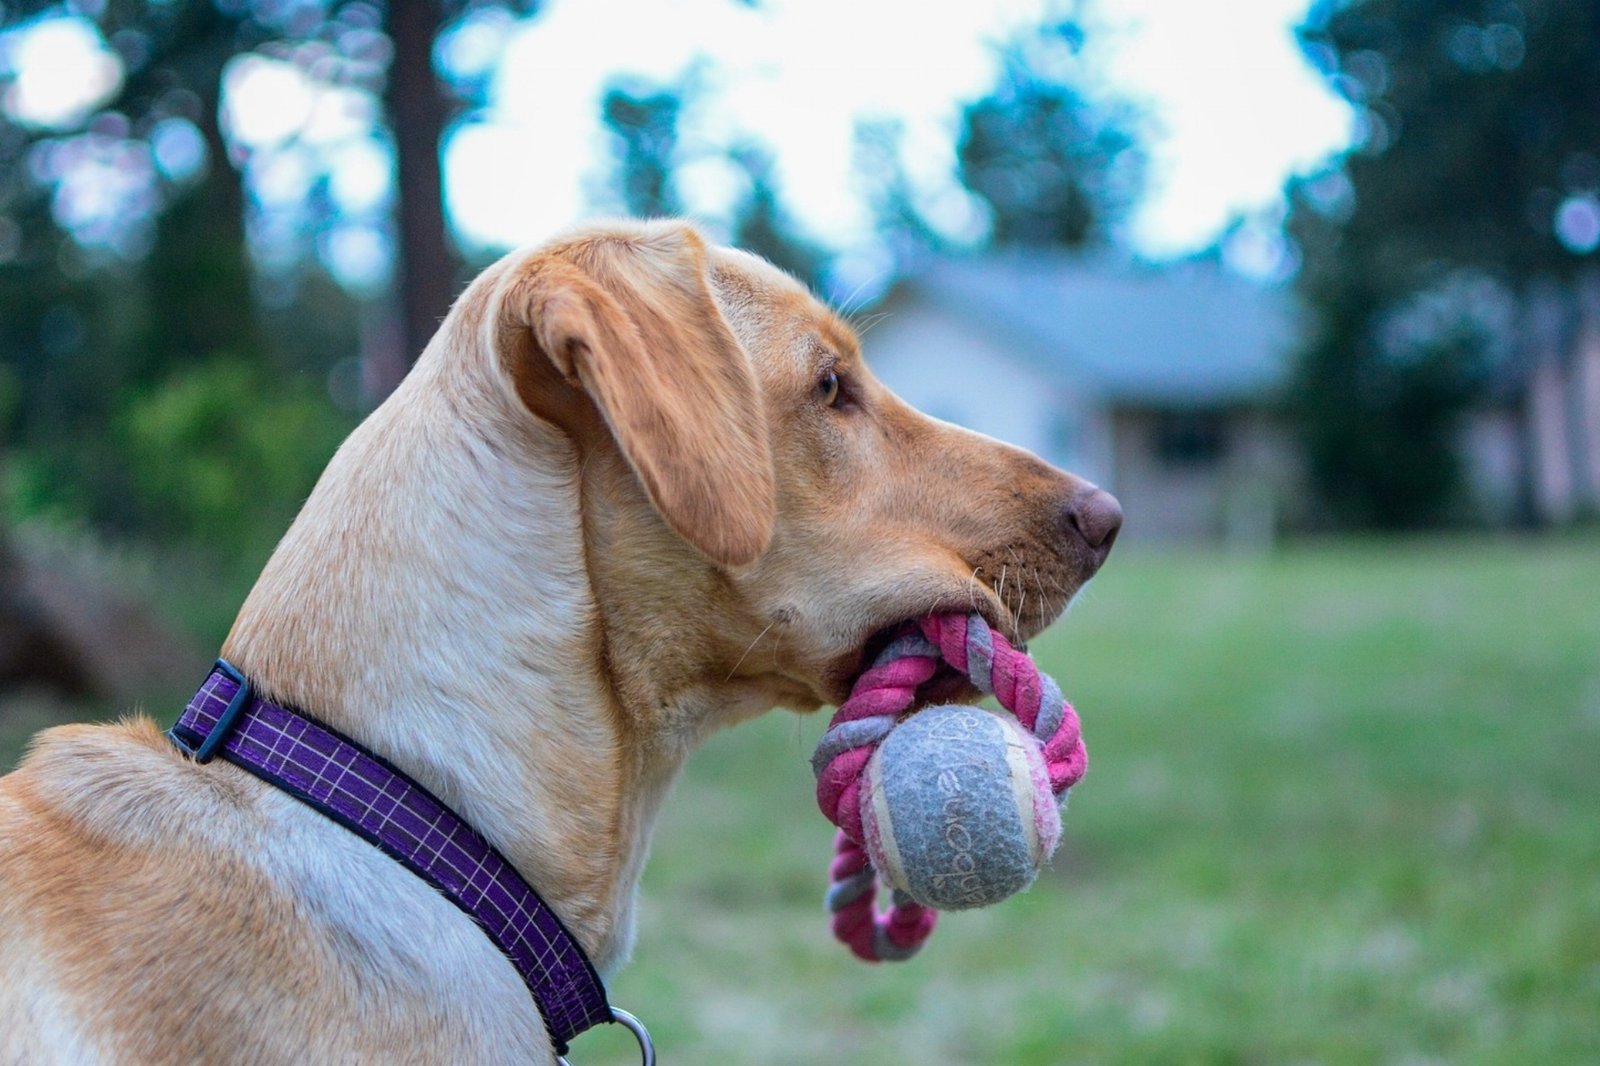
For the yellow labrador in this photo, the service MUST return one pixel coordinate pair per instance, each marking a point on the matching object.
(635, 490)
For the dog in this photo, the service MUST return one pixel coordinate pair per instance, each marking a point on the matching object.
(638, 488)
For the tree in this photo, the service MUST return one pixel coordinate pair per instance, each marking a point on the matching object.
(170, 89)
(109, 305)
(1054, 166)
(104, 311)
(1478, 130)
(643, 121)
(892, 198)
(419, 110)
(420, 107)
(762, 226)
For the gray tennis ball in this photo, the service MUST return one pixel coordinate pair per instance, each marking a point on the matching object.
(956, 807)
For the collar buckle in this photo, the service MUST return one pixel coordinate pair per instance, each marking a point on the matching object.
(242, 698)
(647, 1047)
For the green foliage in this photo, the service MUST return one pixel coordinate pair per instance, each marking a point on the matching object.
(89, 320)
(69, 344)
(10, 398)
(1476, 119)
(763, 227)
(1378, 399)
(643, 121)
(222, 455)
(1379, 434)
(879, 164)
(1055, 167)
(1478, 125)
(114, 330)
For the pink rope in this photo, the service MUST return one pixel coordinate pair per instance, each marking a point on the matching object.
(880, 695)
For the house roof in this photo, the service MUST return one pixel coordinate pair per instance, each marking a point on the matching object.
(1182, 335)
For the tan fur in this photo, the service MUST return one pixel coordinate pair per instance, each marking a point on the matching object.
(607, 513)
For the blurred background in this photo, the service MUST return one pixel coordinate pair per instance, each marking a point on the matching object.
(1314, 290)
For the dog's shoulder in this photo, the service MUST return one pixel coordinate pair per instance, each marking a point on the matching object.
(109, 783)
(131, 877)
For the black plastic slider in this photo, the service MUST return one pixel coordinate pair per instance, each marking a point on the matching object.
(213, 740)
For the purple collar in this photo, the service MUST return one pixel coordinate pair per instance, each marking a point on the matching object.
(369, 797)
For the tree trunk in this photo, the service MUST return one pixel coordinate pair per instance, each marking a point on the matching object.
(418, 111)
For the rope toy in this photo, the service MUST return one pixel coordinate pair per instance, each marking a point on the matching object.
(952, 806)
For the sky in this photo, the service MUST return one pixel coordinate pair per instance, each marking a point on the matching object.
(1231, 107)
(1237, 109)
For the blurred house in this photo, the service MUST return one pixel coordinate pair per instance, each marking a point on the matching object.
(1533, 452)
(1157, 384)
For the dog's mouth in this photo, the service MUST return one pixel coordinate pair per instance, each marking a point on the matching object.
(947, 685)
(1019, 621)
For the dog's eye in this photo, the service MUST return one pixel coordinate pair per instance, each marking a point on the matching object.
(828, 388)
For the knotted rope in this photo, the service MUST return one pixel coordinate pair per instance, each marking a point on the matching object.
(886, 690)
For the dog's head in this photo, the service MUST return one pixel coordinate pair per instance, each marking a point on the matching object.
(758, 509)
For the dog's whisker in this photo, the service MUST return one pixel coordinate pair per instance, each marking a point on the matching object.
(972, 590)
(1012, 551)
(870, 323)
(751, 648)
(777, 649)
(847, 306)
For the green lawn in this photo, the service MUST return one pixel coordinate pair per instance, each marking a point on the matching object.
(1343, 807)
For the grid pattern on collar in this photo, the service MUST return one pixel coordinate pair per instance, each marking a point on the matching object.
(377, 802)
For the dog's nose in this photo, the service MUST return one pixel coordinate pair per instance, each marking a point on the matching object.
(1095, 516)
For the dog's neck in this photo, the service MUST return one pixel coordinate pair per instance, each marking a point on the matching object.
(432, 600)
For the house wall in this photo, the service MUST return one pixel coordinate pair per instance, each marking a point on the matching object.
(1552, 430)
(1543, 452)
(1236, 495)
(1554, 484)
(941, 365)
(1585, 415)
(1492, 451)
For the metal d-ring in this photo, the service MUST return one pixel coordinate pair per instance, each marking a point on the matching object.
(647, 1048)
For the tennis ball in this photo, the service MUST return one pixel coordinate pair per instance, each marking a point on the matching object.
(956, 807)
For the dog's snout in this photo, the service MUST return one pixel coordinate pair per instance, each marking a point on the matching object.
(1094, 517)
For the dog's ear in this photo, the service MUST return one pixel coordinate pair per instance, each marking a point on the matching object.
(629, 319)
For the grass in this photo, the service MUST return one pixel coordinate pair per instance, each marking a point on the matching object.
(1343, 807)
